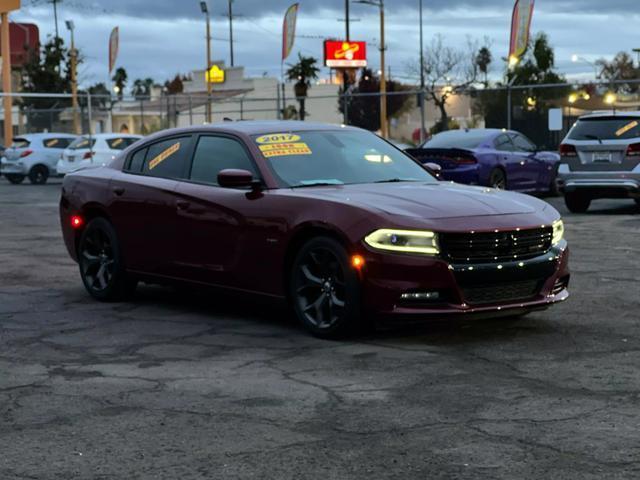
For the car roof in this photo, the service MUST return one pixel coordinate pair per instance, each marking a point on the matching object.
(36, 136)
(612, 113)
(107, 136)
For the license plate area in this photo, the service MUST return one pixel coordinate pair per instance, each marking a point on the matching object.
(602, 157)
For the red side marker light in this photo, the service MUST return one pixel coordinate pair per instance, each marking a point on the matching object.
(357, 261)
(77, 221)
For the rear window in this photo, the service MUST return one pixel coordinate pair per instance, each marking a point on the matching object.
(20, 143)
(606, 128)
(82, 143)
(457, 139)
(57, 142)
(120, 143)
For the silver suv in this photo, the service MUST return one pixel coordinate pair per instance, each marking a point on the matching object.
(600, 158)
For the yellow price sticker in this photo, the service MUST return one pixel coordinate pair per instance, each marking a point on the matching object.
(164, 155)
(52, 142)
(626, 128)
(117, 142)
(285, 149)
(278, 138)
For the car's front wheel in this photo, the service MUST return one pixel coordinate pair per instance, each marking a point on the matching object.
(15, 179)
(577, 203)
(39, 175)
(100, 260)
(325, 289)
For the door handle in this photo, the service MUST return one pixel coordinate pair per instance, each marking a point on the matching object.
(182, 205)
(118, 190)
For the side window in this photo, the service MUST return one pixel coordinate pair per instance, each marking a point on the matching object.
(120, 143)
(57, 142)
(523, 144)
(167, 159)
(137, 160)
(214, 154)
(503, 143)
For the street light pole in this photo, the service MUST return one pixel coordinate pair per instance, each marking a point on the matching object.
(421, 95)
(231, 29)
(74, 79)
(384, 128)
(205, 9)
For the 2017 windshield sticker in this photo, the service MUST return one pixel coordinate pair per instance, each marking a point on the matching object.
(626, 128)
(285, 149)
(274, 138)
(164, 155)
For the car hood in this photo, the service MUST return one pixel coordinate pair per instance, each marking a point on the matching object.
(428, 201)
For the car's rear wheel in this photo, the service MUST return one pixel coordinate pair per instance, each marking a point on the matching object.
(325, 289)
(39, 175)
(101, 266)
(15, 179)
(577, 203)
(498, 179)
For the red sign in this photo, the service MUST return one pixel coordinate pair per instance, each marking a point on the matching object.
(25, 40)
(341, 54)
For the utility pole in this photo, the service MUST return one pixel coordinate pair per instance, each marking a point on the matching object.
(55, 15)
(74, 79)
(345, 72)
(205, 9)
(384, 128)
(7, 102)
(422, 82)
(231, 29)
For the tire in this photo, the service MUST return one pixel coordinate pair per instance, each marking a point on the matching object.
(101, 265)
(577, 203)
(15, 179)
(39, 175)
(553, 186)
(324, 290)
(498, 179)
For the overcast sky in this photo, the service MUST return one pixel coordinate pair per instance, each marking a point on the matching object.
(159, 38)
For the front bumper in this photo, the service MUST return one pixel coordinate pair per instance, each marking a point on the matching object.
(480, 290)
(600, 184)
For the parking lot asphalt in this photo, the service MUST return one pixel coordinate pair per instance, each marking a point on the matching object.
(198, 386)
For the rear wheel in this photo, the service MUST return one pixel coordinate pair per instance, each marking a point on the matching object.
(39, 175)
(498, 179)
(15, 179)
(577, 203)
(325, 289)
(101, 266)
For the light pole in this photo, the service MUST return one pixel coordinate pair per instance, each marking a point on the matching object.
(205, 9)
(231, 29)
(577, 58)
(384, 129)
(74, 79)
(421, 95)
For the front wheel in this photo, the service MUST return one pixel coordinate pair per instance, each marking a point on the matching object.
(15, 179)
(101, 266)
(577, 203)
(325, 289)
(553, 186)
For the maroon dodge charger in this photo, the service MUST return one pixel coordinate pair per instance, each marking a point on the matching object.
(334, 220)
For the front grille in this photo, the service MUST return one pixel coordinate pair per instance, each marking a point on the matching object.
(500, 293)
(489, 247)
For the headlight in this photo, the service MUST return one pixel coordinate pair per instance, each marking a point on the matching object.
(558, 231)
(405, 241)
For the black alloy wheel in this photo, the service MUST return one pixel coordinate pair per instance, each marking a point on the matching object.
(498, 179)
(101, 266)
(39, 175)
(325, 289)
(15, 179)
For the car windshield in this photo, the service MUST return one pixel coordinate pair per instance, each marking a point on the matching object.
(82, 143)
(20, 143)
(606, 128)
(457, 139)
(337, 157)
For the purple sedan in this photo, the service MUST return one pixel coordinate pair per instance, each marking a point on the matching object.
(496, 158)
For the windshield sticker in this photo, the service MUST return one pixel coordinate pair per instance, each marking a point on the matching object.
(164, 155)
(52, 142)
(626, 128)
(285, 149)
(116, 142)
(274, 138)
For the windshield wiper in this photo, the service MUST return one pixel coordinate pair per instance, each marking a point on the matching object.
(593, 137)
(318, 184)
(397, 180)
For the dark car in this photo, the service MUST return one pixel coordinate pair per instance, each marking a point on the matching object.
(335, 220)
(501, 159)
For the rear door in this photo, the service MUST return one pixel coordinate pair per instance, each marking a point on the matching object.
(143, 204)
(510, 161)
(531, 169)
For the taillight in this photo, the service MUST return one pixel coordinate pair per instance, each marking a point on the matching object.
(568, 150)
(26, 153)
(88, 156)
(77, 221)
(633, 150)
(464, 159)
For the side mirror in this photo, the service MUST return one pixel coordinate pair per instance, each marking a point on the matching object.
(434, 168)
(232, 178)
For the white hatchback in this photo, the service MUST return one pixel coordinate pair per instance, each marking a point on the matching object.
(93, 151)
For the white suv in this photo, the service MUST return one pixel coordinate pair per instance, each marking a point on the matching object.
(95, 150)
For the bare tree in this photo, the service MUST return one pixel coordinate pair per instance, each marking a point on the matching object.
(448, 71)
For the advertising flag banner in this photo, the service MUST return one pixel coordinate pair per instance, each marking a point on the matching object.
(289, 30)
(520, 26)
(114, 43)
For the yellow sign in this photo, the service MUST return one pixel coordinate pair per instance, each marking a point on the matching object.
(51, 143)
(626, 128)
(215, 75)
(285, 149)
(164, 155)
(278, 138)
(9, 5)
(117, 142)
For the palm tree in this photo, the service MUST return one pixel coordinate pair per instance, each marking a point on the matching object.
(304, 73)
(120, 80)
(483, 61)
